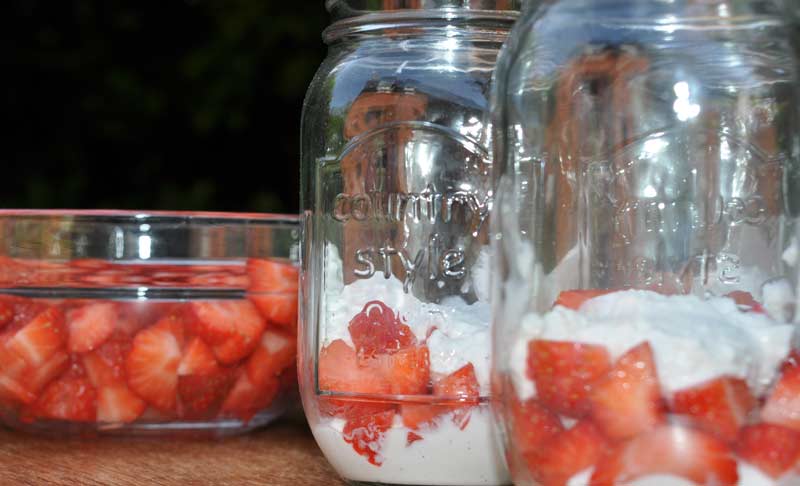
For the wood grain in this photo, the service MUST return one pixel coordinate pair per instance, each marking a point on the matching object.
(283, 454)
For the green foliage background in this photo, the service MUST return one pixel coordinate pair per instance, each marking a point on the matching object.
(189, 105)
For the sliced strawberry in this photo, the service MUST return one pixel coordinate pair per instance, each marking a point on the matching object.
(36, 378)
(366, 434)
(71, 397)
(628, 401)
(232, 328)
(276, 351)
(670, 450)
(12, 380)
(41, 338)
(771, 448)
(341, 371)
(407, 372)
(246, 399)
(783, 404)
(201, 396)
(462, 384)
(417, 416)
(272, 276)
(105, 366)
(412, 437)
(198, 359)
(720, 406)
(574, 299)
(746, 302)
(6, 313)
(117, 404)
(378, 330)
(280, 309)
(90, 326)
(565, 372)
(152, 365)
(566, 454)
(533, 425)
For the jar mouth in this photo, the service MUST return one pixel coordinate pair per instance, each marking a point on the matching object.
(488, 21)
(341, 9)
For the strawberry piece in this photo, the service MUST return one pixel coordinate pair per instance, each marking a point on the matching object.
(246, 398)
(12, 370)
(628, 401)
(117, 404)
(35, 379)
(39, 339)
(574, 299)
(341, 371)
(533, 425)
(272, 276)
(720, 406)
(412, 437)
(72, 397)
(279, 309)
(366, 434)
(231, 328)
(276, 352)
(6, 313)
(198, 359)
(152, 364)
(783, 404)
(201, 396)
(417, 416)
(565, 372)
(105, 366)
(90, 326)
(746, 302)
(377, 330)
(462, 384)
(407, 372)
(771, 448)
(566, 454)
(691, 454)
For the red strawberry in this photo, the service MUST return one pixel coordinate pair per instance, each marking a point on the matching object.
(90, 326)
(574, 299)
(105, 366)
(720, 406)
(40, 338)
(783, 403)
(533, 425)
(746, 301)
(420, 415)
(671, 450)
(276, 351)
(246, 398)
(12, 382)
(37, 378)
(564, 373)
(272, 276)
(377, 330)
(366, 434)
(202, 396)
(198, 359)
(152, 365)
(117, 404)
(341, 371)
(628, 401)
(566, 454)
(280, 309)
(463, 385)
(412, 437)
(72, 397)
(407, 372)
(6, 313)
(232, 328)
(771, 448)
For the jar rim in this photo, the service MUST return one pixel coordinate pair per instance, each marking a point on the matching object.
(350, 8)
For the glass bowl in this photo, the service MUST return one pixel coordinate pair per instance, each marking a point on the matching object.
(146, 323)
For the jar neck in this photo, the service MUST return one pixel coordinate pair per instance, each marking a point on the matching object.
(483, 24)
(341, 9)
(714, 8)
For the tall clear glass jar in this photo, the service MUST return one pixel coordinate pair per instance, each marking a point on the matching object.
(397, 189)
(646, 300)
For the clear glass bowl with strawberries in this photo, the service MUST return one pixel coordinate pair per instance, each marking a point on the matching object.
(146, 323)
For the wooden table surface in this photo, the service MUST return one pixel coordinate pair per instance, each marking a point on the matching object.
(282, 454)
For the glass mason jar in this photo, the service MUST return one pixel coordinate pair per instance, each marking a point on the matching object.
(646, 295)
(397, 188)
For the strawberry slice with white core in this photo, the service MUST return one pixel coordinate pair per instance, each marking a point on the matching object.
(628, 401)
(246, 398)
(72, 397)
(37, 378)
(117, 404)
(533, 425)
(669, 450)
(152, 365)
(198, 359)
(783, 403)
(89, 326)
(341, 371)
(276, 351)
(566, 454)
(272, 276)
(280, 309)
(720, 406)
(40, 338)
(231, 328)
(771, 448)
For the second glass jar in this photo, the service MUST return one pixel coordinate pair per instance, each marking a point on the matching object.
(397, 189)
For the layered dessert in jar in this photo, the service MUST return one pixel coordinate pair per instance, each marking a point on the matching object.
(636, 387)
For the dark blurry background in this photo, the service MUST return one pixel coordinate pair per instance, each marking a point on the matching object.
(172, 104)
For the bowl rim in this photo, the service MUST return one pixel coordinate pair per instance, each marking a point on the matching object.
(140, 215)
